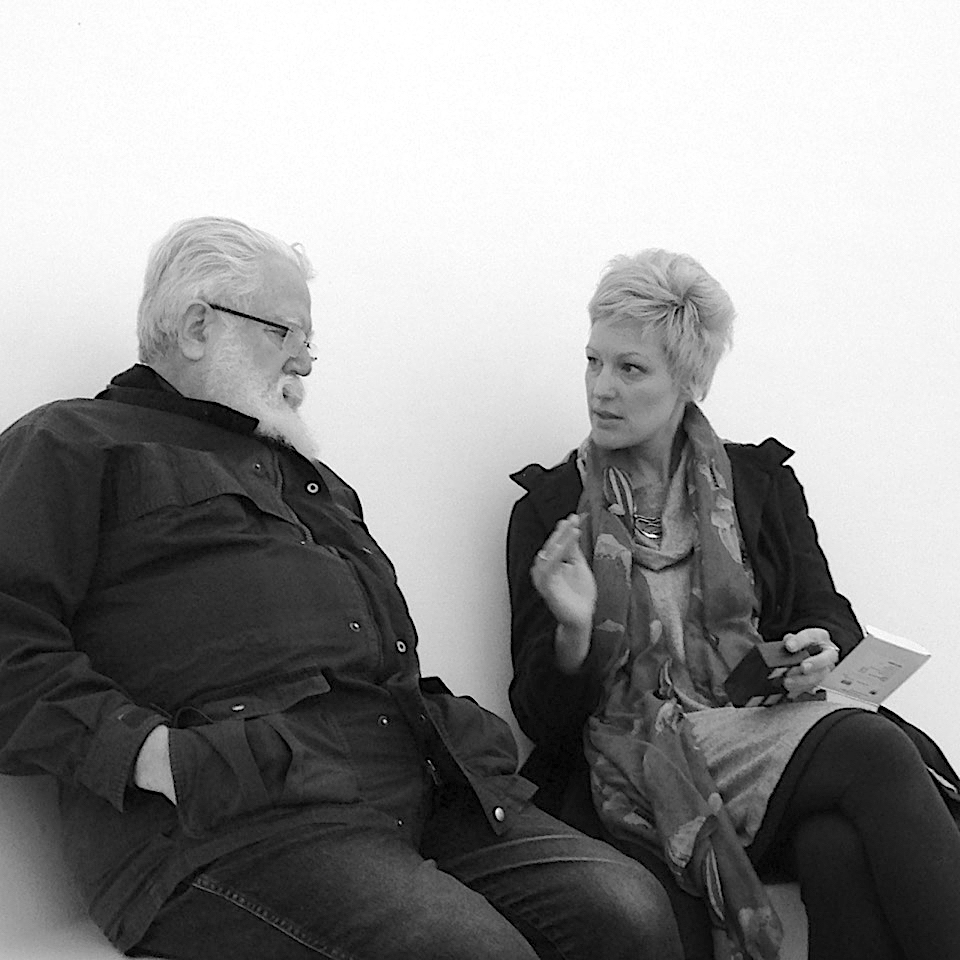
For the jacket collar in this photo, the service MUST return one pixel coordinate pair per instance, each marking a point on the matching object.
(554, 491)
(753, 468)
(765, 457)
(142, 386)
(551, 490)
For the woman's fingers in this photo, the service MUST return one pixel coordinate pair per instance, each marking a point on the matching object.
(561, 544)
(562, 576)
(824, 654)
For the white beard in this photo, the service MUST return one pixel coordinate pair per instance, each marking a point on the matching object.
(233, 380)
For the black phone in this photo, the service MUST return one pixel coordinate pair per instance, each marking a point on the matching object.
(757, 680)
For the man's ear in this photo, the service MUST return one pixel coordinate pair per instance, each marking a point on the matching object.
(193, 337)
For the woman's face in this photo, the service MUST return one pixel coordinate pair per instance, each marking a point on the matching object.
(631, 394)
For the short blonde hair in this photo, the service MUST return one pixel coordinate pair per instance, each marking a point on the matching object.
(200, 259)
(672, 293)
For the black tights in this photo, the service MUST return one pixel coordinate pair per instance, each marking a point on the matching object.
(877, 852)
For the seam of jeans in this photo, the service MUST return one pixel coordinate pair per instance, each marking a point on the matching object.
(465, 868)
(528, 921)
(537, 926)
(285, 926)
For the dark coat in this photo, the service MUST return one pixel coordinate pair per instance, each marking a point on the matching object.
(793, 584)
(160, 563)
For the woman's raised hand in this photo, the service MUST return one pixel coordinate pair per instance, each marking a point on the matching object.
(563, 578)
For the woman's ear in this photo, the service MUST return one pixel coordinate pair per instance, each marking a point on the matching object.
(193, 336)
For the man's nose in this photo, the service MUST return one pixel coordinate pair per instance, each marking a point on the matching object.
(301, 364)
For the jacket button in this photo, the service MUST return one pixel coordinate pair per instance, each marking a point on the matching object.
(258, 466)
(401, 647)
(355, 626)
(237, 707)
(499, 814)
(313, 487)
(383, 719)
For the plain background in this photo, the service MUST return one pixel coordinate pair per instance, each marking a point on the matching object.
(460, 173)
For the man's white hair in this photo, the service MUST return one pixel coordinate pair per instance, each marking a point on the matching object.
(207, 258)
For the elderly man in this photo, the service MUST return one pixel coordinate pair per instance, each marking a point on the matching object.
(201, 640)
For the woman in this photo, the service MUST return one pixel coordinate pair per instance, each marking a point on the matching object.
(642, 569)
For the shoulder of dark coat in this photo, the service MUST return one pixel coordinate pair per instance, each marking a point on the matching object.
(768, 456)
(535, 478)
(58, 417)
(551, 492)
(557, 489)
(544, 481)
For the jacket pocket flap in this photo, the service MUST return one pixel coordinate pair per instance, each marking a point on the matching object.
(148, 477)
(274, 698)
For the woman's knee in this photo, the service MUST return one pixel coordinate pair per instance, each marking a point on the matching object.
(868, 745)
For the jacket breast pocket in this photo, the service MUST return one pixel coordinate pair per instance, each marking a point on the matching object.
(253, 752)
(148, 477)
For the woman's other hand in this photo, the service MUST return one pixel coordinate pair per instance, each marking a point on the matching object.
(824, 654)
(563, 578)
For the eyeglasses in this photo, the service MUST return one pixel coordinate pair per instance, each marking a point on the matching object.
(294, 339)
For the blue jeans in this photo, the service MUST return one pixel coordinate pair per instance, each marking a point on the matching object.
(444, 888)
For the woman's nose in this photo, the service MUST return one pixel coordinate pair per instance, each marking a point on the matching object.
(602, 385)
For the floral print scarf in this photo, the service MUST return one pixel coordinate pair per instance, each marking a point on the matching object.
(650, 782)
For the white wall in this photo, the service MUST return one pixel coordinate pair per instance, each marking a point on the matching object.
(460, 172)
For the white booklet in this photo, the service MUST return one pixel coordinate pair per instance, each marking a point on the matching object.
(874, 669)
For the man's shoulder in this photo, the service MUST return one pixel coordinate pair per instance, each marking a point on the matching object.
(78, 415)
(56, 417)
(64, 438)
(87, 428)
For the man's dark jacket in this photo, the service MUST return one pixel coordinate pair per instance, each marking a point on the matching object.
(793, 585)
(161, 563)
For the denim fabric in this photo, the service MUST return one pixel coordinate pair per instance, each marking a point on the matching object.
(446, 888)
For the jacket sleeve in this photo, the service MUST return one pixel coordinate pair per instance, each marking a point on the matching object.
(479, 739)
(805, 595)
(551, 706)
(57, 714)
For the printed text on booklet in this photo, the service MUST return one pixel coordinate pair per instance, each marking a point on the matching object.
(874, 669)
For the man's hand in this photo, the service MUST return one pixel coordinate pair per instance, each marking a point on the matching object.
(152, 769)
(809, 674)
(563, 578)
